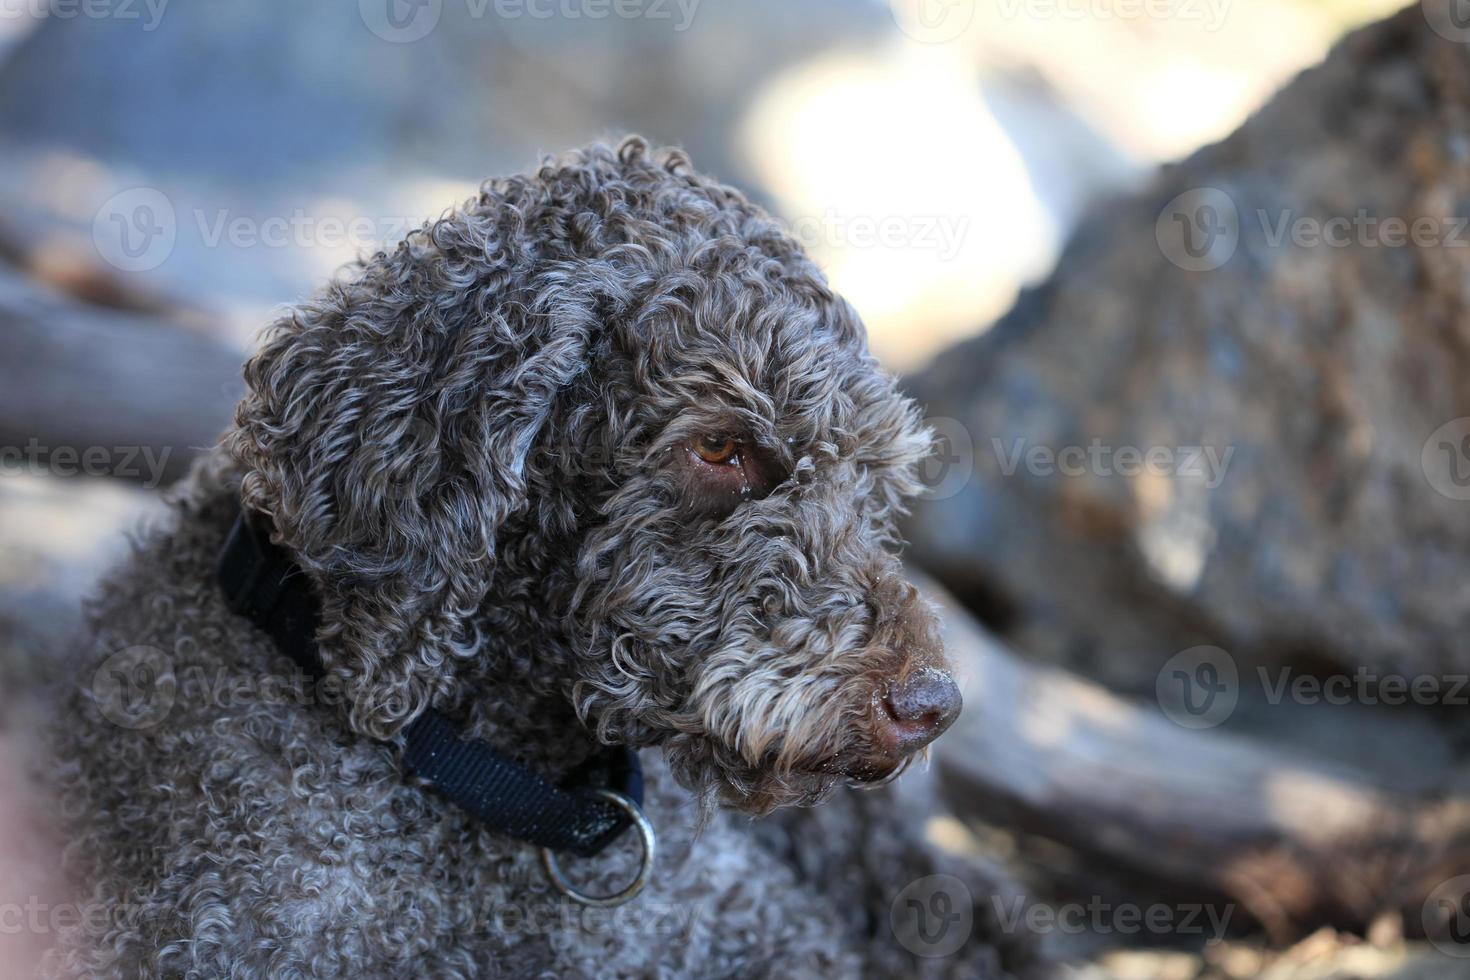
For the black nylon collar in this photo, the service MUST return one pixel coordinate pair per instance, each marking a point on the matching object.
(261, 583)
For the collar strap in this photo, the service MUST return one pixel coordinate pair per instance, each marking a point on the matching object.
(261, 583)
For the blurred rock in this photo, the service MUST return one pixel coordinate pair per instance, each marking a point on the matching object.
(1328, 529)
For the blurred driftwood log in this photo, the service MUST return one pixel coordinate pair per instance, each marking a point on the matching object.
(1296, 840)
(140, 392)
(1283, 320)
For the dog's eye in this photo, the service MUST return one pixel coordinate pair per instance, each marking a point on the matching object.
(717, 449)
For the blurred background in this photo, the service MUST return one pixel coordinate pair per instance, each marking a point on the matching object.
(171, 174)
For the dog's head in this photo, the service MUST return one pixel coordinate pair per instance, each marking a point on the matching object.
(611, 412)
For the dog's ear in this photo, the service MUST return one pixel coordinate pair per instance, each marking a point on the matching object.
(386, 432)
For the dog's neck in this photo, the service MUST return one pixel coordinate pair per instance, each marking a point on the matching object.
(514, 693)
(502, 696)
(536, 728)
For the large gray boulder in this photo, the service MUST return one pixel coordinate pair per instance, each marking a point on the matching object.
(1296, 301)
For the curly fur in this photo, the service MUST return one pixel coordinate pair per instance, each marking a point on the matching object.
(476, 445)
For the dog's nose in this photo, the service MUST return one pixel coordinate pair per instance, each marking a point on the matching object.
(918, 709)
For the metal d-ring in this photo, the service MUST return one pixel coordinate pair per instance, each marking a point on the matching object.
(645, 836)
